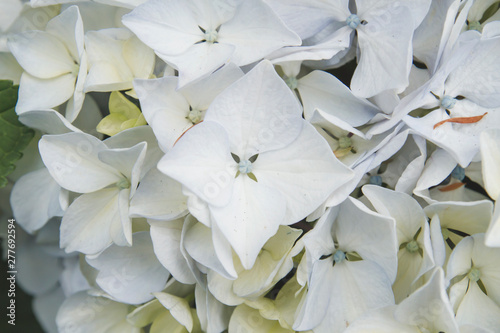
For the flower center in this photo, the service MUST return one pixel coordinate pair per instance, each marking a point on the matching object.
(291, 82)
(211, 36)
(474, 274)
(412, 246)
(345, 142)
(195, 116)
(353, 21)
(376, 180)
(245, 166)
(448, 102)
(123, 184)
(338, 256)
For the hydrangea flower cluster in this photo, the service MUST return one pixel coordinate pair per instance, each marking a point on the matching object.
(254, 165)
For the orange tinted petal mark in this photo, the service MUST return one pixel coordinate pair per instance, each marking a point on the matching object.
(461, 120)
(451, 187)
(186, 132)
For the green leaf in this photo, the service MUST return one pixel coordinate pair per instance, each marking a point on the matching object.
(14, 136)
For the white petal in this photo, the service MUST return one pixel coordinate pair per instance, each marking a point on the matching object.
(148, 22)
(199, 244)
(39, 94)
(373, 236)
(321, 90)
(107, 315)
(199, 61)
(72, 160)
(250, 218)
(215, 314)
(90, 222)
(224, 251)
(460, 140)
(41, 54)
(477, 78)
(361, 285)
(404, 209)
(47, 121)
(68, 27)
(10, 10)
(72, 279)
(460, 259)
(337, 42)
(380, 321)
(438, 245)
(158, 197)
(256, 31)
(133, 136)
(207, 169)
(418, 8)
(308, 17)
(166, 238)
(179, 309)
(305, 172)
(385, 54)
(201, 94)
(9, 68)
(273, 263)
(38, 271)
(116, 57)
(75, 103)
(438, 166)
(222, 289)
(490, 156)
(130, 274)
(428, 35)
(432, 297)
(35, 199)
(318, 298)
(492, 237)
(479, 310)
(127, 161)
(259, 112)
(468, 217)
(247, 319)
(164, 108)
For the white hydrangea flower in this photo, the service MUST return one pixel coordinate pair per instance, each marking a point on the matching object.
(203, 36)
(473, 273)
(55, 64)
(384, 33)
(83, 164)
(415, 255)
(351, 264)
(235, 162)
